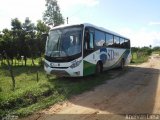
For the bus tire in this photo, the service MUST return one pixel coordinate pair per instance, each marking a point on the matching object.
(122, 64)
(99, 68)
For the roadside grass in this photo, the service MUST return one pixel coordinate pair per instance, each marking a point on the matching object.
(156, 52)
(139, 59)
(31, 95)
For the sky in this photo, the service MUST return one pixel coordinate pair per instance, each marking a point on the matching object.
(138, 20)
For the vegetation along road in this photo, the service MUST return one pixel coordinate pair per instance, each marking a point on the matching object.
(135, 92)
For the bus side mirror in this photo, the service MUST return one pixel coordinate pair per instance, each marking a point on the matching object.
(44, 35)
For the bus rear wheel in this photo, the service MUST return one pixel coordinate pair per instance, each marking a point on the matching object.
(122, 64)
(99, 68)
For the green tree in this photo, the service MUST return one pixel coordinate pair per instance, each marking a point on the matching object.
(150, 46)
(16, 24)
(7, 43)
(156, 48)
(18, 37)
(146, 50)
(30, 48)
(41, 29)
(1, 43)
(52, 15)
(1, 47)
(24, 39)
(8, 50)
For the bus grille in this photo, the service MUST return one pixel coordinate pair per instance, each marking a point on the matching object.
(59, 73)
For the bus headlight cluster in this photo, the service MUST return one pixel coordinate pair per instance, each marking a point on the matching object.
(54, 65)
(51, 64)
(75, 64)
(46, 65)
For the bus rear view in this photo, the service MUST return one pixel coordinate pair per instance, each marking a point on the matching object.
(63, 54)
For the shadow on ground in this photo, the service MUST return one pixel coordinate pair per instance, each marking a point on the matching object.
(131, 91)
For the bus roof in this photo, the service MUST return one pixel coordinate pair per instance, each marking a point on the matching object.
(90, 25)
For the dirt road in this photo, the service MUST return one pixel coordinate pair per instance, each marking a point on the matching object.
(135, 92)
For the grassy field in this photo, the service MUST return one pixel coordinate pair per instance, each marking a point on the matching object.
(31, 95)
(156, 52)
(139, 59)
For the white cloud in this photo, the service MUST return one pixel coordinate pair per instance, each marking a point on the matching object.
(34, 9)
(141, 37)
(21, 9)
(67, 4)
(77, 10)
(154, 23)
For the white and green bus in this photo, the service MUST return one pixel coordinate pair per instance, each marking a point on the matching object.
(84, 49)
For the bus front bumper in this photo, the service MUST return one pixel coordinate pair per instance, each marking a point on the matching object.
(64, 72)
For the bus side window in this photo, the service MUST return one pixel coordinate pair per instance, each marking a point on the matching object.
(127, 43)
(116, 42)
(109, 40)
(99, 38)
(91, 43)
(122, 43)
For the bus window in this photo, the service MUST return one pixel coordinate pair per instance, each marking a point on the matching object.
(122, 42)
(99, 38)
(127, 44)
(109, 40)
(91, 40)
(116, 41)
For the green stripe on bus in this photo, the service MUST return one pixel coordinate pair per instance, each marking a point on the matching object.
(88, 68)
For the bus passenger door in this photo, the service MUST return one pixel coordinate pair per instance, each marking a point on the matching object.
(88, 53)
(88, 42)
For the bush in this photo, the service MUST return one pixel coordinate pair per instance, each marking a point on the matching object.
(0, 89)
(41, 62)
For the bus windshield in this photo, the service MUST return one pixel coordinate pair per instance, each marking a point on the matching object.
(64, 42)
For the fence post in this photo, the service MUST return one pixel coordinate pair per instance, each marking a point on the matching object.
(11, 72)
(37, 77)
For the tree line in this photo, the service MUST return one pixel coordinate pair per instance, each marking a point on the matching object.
(145, 51)
(25, 39)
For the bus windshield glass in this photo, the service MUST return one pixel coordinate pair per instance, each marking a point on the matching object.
(64, 42)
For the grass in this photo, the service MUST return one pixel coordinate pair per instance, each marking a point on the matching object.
(156, 52)
(31, 95)
(139, 59)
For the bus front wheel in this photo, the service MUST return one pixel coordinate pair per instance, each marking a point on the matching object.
(99, 68)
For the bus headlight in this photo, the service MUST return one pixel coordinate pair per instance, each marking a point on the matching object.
(52, 65)
(75, 64)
